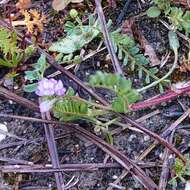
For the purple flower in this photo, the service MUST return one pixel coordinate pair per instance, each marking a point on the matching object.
(59, 89)
(46, 105)
(50, 87)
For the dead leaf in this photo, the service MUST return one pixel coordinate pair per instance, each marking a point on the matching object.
(149, 51)
(23, 4)
(184, 65)
(33, 20)
(127, 26)
(59, 5)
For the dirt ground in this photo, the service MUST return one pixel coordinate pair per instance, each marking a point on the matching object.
(73, 149)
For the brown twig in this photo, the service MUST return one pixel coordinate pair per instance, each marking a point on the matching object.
(165, 168)
(16, 161)
(32, 141)
(89, 167)
(108, 41)
(49, 132)
(20, 100)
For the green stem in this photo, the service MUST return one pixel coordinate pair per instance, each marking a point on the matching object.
(164, 77)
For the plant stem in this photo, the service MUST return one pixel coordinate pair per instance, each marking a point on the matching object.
(163, 78)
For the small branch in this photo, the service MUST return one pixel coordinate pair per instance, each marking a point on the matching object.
(20, 100)
(108, 41)
(155, 136)
(49, 132)
(165, 168)
(90, 167)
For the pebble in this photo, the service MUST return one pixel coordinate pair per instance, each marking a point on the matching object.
(131, 138)
(161, 155)
(4, 129)
(10, 102)
(187, 185)
(146, 138)
(114, 177)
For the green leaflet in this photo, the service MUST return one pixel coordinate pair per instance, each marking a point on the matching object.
(36, 74)
(179, 18)
(75, 40)
(69, 109)
(122, 87)
(129, 52)
(153, 12)
(8, 42)
(173, 41)
(182, 171)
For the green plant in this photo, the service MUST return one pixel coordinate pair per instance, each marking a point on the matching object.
(122, 88)
(179, 19)
(77, 37)
(160, 5)
(174, 45)
(129, 52)
(12, 55)
(125, 47)
(72, 108)
(36, 74)
(181, 171)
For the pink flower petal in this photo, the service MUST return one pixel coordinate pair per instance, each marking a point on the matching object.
(46, 105)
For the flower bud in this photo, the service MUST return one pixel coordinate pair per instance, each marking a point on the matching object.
(73, 13)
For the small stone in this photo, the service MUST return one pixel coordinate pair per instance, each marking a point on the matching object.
(16, 87)
(187, 185)
(146, 138)
(131, 138)
(3, 129)
(10, 102)
(114, 177)
(161, 155)
(170, 156)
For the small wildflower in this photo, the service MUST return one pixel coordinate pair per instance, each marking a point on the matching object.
(50, 87)
(59, 89)
(46, 105)
(73, 13)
